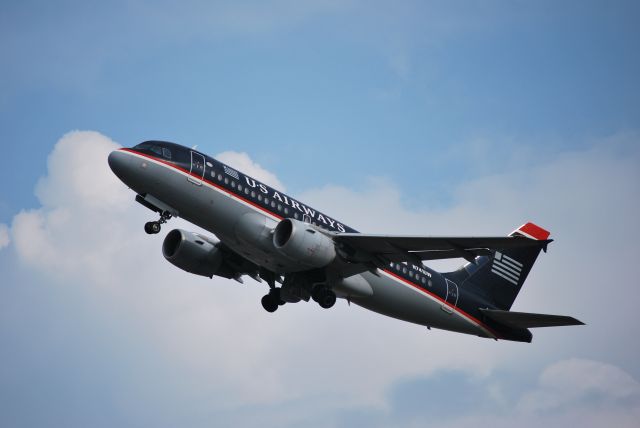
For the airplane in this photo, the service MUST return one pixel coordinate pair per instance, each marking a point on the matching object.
(303, 254)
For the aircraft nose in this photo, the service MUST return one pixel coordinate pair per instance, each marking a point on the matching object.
(119, 163)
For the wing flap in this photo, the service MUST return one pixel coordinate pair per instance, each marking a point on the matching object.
(529, 320)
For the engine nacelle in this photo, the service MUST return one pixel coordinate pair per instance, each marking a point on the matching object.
(300, 242)
(192, 253)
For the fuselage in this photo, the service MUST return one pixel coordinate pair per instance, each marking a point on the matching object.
(236, 208)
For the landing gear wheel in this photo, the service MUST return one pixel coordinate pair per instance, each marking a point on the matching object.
(269, 303)
(152, 227)
(327, 299)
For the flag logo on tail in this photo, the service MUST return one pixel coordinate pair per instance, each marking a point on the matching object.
(506, 267)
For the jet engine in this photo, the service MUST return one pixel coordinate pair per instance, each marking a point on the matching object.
(192, 252)
(303, 244)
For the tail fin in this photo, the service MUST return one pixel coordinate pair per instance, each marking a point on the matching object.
(499, 277)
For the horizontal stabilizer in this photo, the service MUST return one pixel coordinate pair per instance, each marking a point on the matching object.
(528, 320)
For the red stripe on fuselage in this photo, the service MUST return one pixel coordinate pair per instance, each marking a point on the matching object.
(196, 176)
(232, 194)
(441, 300)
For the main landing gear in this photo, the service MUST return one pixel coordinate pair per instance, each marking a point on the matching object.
(321, 295)
(325, 297)
(295, 289)
(153, 227)
(272, 301)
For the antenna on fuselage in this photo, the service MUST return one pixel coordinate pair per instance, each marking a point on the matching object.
(194, 147)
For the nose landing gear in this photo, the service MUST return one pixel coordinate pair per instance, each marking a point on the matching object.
(156, 205)
(153, 227)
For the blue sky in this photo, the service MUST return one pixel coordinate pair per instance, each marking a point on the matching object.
(407, 116)
(403, 86)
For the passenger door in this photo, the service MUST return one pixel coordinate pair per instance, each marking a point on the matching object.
(196, 174)
(452, 296)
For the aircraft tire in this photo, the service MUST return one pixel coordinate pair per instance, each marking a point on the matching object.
(148, 227)
(152, 227)
(327, 299)
(269, 303)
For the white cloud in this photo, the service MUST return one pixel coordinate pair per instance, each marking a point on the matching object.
(77, 176)
(244, 163)
(76, 228)
(589, 201)
(78, 237)
(575, 381)
(572, 392)
(4, 236)
(229, 352)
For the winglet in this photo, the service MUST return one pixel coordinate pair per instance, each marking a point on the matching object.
(532, 231)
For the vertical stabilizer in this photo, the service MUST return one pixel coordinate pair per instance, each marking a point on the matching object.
(499, 277)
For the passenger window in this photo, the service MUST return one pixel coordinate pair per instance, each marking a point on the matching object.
(273, 204)
(295, 214)
(260, 197)
(253, 193)
(233, 184)
(404, 270)
(279, 207)
(266, 201)
(286, 210)
(226, 180)
(240, 187)
(219, 177)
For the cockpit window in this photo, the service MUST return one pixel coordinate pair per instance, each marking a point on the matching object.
(143, 146)
(164, 149)
(151, 146)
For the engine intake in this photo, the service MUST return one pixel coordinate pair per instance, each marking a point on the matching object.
(192, 252)
(301, 243)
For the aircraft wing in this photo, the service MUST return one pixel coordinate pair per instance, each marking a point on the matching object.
(234, 266)
(412, 248)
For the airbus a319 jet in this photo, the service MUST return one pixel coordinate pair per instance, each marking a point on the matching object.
(304, 254)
